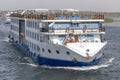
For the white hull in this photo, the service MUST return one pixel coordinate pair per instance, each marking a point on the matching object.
(72, 59)
(60, 40)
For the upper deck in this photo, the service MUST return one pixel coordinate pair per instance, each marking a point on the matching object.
(57, 15)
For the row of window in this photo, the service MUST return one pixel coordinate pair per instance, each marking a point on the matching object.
(32, 35)
(33, 46)
(76, 25)
(15, 21)
(37, 48)
(57, 51)
(32, 24)
(44, 38)
(14, 28)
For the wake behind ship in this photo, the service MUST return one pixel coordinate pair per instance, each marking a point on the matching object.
(58, 37)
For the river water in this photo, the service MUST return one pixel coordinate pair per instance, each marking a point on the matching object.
(15, 66)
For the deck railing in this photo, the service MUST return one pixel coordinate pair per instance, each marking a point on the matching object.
(73, 31)
(77, 30)
(58, 17)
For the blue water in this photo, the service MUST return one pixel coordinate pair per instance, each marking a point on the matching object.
(15, 66)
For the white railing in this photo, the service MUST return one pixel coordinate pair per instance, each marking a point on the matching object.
(89, 31)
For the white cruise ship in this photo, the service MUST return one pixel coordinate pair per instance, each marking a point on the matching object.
(63, 37)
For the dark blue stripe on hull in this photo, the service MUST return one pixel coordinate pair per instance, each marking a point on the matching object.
(56, 62)
(52, 62)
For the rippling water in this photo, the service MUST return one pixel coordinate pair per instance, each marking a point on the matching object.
(15, 66)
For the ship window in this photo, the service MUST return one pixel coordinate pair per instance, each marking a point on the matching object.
(30, 24)
(35, 25)
(57, 52)
(43, 50)
(68, 53)
(38, 55)
(49, 50)
(89, 37)
(90, 25)
(38, 37)
(61, 37)
(34, 46)
(35, 36)
(29, 34)
(38, 49)
(27, 23)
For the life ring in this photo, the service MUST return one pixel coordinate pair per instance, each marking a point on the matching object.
(88, 56)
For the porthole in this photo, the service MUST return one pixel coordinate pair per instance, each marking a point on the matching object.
(38, 55)
(68, 53)
(34, 54)
(57, 52)
(49, 50)
(38, 48)
(43, 50)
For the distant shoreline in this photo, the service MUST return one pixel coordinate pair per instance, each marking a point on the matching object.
(108, 20)
(112, 24)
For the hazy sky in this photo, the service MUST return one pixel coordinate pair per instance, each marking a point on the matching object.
(83, 5)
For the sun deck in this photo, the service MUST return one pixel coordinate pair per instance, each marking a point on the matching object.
(54, 15)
